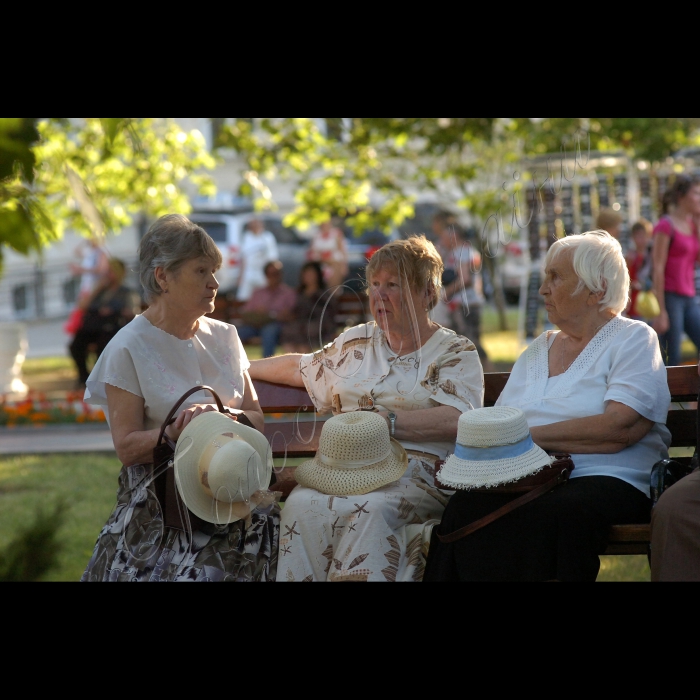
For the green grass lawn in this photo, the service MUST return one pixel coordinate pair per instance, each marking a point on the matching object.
(87, 482)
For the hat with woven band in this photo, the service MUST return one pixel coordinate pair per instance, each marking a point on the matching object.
(222, 468)
(494, 447)
(355, 455)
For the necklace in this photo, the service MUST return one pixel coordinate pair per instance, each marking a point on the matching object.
(568, 337)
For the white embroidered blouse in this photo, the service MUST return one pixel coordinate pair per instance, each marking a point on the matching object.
(359, 370)
(621, 363)
(159, 367)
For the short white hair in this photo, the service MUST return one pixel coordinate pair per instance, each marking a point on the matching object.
(599, 265)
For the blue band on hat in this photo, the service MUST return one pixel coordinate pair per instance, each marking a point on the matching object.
(487, 454)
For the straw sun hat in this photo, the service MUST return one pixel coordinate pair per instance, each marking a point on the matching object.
(222, 468)
(355, 455)
(494, 446)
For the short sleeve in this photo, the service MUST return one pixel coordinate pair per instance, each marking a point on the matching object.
(638, 376)
(115, 366)
(663, 226)
(316, 380)
(456, 379)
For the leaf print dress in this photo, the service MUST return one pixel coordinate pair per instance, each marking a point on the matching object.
(382, 535)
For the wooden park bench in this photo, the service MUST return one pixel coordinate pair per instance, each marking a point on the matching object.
(292, 438)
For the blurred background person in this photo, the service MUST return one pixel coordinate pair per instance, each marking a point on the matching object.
(675, 252)
(638, 259)
(93, 265)
(611, 221)
(109, 308)
(258, 248)
(310, 313)
(462, 298)
(267, 309)
(329, 248)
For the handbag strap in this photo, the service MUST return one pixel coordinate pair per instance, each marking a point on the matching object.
(177, 405)
(560, 478)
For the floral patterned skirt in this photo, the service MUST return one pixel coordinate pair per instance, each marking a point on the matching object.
(135, 545)
(379, 536)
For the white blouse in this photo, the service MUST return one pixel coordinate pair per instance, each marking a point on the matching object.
(148, 362)
(359, 370)
(621, 363)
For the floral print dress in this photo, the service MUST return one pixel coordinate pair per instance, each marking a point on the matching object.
(135, 544)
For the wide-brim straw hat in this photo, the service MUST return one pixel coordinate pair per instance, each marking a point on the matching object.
(355, 455)
(494, 447)
(222, 468)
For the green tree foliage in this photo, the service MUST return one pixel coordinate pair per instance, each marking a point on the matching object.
(369, 169)
(25, 226)
(650, 139)
(93, 175)
(365, 169)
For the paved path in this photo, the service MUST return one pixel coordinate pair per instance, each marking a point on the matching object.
(63, 438)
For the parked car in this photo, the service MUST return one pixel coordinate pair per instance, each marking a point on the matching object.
(227, 231)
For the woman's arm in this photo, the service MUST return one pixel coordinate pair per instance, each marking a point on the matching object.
(250, 405)
(436, 424)
(132, 443)
(283, 369)
(606, 433)
(659, 256)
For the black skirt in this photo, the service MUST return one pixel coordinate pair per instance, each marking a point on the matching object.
(557, 537)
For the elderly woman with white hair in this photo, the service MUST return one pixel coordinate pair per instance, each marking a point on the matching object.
(595, 389)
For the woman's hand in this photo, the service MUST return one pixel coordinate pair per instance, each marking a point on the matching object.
(184, 418)
(661, 323)
(435, 424)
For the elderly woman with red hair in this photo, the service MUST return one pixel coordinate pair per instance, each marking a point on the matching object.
(417, 375)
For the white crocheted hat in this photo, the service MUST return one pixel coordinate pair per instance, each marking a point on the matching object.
(494, 446)
(355, 455)
(222, 468)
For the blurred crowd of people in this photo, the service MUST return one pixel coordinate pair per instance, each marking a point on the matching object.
(302, 319)
(663, 259)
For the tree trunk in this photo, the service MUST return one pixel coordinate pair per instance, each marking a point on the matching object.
(491, 264)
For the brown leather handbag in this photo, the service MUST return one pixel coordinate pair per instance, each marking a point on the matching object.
(163, 456)
(531, 486)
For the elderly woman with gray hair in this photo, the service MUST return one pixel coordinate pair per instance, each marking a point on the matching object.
(595, 389)
(143, 371)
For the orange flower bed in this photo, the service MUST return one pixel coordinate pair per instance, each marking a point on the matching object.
(37, 409)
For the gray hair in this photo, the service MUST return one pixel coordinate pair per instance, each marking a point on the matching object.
(169, 243)
(599, 265)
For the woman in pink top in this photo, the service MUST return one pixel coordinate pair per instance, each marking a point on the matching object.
(675, 252)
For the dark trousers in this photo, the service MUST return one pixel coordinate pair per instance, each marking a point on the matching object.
(557, 537)
(80, 345)
(683, 316)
